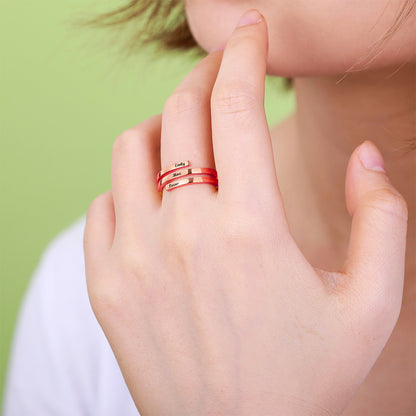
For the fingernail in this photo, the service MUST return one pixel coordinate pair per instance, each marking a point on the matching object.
(370, 157)
(250, 17)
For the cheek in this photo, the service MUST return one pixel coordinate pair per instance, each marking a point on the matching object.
(312, 38)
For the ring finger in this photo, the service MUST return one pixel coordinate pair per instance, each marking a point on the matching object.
(186, 129)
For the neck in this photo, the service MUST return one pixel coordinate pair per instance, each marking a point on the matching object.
(331, 120)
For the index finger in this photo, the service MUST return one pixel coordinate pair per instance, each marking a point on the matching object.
(240, 133)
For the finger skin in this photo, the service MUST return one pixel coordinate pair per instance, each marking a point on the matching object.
(134, 165)
(99, 231)
(186, 129)
(241, 137)
(376, 252)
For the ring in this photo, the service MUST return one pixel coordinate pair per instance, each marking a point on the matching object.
(184, 172)
(171, 168)
(168, 177)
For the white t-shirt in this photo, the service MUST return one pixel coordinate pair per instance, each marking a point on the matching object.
(60, 362)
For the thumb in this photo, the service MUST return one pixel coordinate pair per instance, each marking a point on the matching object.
(376, 250)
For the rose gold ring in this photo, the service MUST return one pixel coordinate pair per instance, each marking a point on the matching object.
(192, 179)
(171, 174)
(184, 172)
(171, 168)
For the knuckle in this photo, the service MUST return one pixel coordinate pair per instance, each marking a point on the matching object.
(128, 262)
(241, 230)
(182, 234)
(182, 243)
(184, 100)
(127, 139)
(237, 97)
(388, 201)
(106, 297)
(249, 216)
(380, 305)
(98, 204)
(380, 315)
(109, 287)
(132, 259)
(107, 301)
(374, 313)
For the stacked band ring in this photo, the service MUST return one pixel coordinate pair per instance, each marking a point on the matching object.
(176, 175)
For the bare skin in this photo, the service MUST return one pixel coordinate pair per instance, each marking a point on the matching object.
(196, 357)
(306, 175)
(311, 149)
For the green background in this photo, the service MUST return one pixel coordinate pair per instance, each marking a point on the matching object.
(65, 95)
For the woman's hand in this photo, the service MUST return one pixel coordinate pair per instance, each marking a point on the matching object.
(207, 301)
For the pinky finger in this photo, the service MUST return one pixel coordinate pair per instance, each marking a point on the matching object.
(99, 230)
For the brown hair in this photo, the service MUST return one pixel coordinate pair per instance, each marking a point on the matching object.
(164, 25)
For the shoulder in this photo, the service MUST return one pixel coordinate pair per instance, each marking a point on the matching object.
(65, 250)
(59, 278)
(60, 358)
(58, 283)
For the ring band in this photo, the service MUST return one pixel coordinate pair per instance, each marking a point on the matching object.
(170, 168)
(169, 177)
(190, 180)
